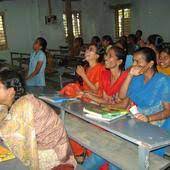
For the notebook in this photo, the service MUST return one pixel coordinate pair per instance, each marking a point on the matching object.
(57, 99)
(5, 154)
(103, 113)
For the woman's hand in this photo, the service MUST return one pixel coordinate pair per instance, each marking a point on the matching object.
(79, 94)
(135, 71)
(141, 117)
(80, 71)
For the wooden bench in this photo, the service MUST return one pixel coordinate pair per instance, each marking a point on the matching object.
(111, 147)
(20, 58)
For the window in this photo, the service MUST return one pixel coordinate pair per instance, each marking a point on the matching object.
(122, 20)
(3, 41)
(76, 21)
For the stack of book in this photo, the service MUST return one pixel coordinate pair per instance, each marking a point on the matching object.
(103, 113)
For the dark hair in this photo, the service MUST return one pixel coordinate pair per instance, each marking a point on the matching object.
(95, 39)
(43, 43)
(139, 31)
(121, 55)
(123, 41)
(108, 38)
(12, 79)
(80, 40)
(149, 55)
(100, 52)
(166, 50)
(156, 40)
(132, 37)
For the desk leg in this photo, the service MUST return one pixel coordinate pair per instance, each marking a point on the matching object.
(143, 158)
(62, 114)
(61, 80)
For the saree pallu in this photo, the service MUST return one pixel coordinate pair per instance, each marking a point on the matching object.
(34, 132)
(93, 74)
(107, 87)
(149, 97)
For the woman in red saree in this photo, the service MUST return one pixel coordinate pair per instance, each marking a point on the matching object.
(112, 78)
(111, 81)
(91, 78)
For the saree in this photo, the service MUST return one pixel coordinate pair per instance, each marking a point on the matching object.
(107, 87)
(36, 135)
(93, 74)
(164, 70)
(72, 89)
(149, 97)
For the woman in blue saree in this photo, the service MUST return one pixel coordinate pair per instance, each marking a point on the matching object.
(149, 91)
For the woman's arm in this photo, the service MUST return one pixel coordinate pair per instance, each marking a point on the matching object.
(81, 72)
(125, 86)
(123, 104)
(134, 71)
(157, 116)
(36, 71)
(95, 98)
(93, 87)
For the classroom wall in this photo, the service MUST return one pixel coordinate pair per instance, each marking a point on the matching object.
(25, 20)
(151, 16)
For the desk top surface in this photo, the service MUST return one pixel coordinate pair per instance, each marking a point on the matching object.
(135, 131)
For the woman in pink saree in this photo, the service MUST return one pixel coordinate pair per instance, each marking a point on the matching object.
(31, 129)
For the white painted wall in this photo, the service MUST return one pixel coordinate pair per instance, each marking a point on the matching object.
(24, 20)
(151, 16)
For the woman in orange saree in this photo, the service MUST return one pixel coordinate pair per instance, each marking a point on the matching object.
(91, 77)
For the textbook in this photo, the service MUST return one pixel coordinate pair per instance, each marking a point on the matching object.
(5, 154)
(57, 99)
(103, 113)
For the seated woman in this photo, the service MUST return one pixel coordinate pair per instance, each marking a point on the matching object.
(140, 41)
(131, 48)
(148, 90)
(112, 78)
(164, 61)
(155, 42)
(96, 41)
(77, 47)
(37, 65)
(31, 129)
(90, 75)
(107, 42)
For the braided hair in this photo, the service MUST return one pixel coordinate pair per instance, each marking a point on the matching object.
(12, 79)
